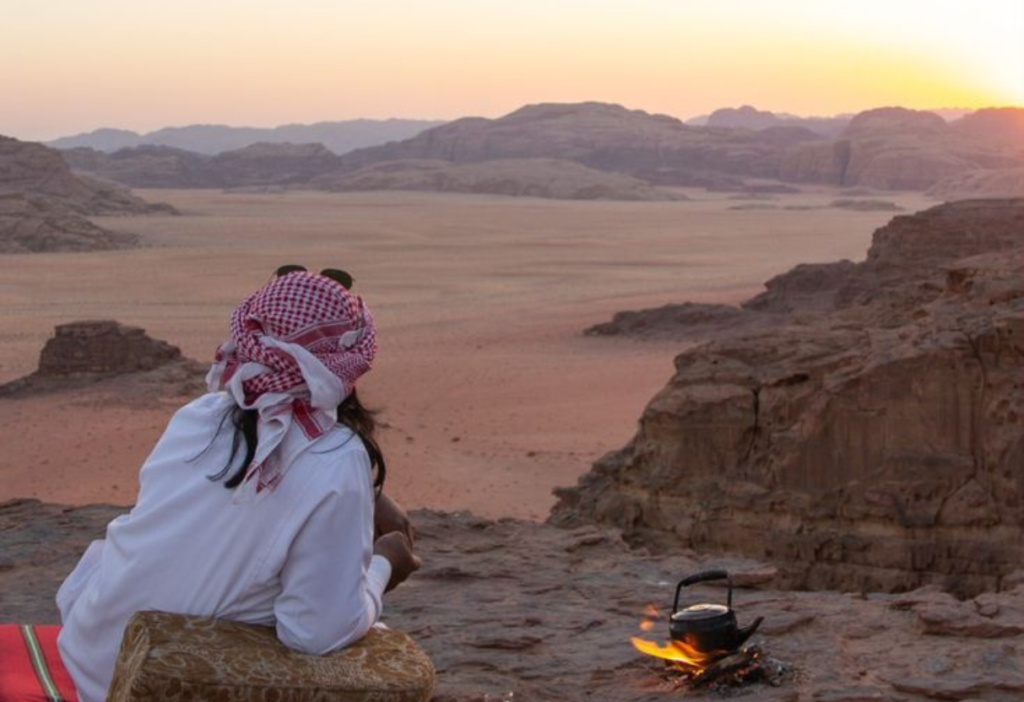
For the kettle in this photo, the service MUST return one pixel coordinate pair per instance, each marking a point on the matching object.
(708, 627)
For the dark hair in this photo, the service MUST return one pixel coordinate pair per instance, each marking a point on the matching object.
(351, 412)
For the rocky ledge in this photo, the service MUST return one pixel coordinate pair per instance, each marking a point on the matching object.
(511, 610)
(861, 425)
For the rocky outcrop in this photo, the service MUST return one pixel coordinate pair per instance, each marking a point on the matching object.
(273, 164)
(102, 346)
(748, 117)
(999, 126)
(41, 174)
(511, 610)
(696, 319)
(871, 438)
(262, 164)
(30, 226)
(86, 352)
(894, 148)
(43, 205)
(656, 148)
(536, 177)
(147, 167)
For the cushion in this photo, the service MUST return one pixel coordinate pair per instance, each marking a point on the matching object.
(31, 669)
(170, 657)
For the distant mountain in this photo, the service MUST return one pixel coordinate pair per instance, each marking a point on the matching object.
(571, 145)
(338, 137)
(747, 117)
(893, 148)
(260, 164)
(656, 148)
(1000, 126)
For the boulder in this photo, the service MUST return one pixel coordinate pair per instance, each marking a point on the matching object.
(102, 346)
(93, 352)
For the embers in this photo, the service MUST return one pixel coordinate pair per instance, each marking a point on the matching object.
(746, 666)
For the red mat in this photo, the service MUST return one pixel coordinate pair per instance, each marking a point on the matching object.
(30, 666)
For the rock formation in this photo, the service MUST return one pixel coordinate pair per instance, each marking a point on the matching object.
(512, 610)
(87, 352)
(999, 126)
(147, 167)
(749, 117)
(871, 436)
(273, 164)
(894, 148)
(889, 148)
(41, 174)
(29, 226)
(666, 322)
(43, 205)
(656, 148)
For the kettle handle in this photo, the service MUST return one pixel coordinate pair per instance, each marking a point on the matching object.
(701, 577)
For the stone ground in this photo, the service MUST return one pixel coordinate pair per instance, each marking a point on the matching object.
(513, 610)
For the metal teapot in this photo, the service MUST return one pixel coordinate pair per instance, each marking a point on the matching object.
(708, 627)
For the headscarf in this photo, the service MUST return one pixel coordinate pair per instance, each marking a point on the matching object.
(297, 346)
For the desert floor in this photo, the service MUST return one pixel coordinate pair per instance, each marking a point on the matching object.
(491, 394)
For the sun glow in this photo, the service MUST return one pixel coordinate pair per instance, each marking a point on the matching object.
(121, 63)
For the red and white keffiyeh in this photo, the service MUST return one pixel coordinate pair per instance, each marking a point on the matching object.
(297, 347)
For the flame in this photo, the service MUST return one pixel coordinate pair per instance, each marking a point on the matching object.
(675, 651)
(678, 652)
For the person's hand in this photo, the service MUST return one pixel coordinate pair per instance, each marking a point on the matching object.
(389, 517)
(397, 548)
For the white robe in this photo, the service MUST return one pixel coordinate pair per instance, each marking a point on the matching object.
(300, 559)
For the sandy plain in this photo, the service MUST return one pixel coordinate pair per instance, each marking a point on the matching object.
(490, 393)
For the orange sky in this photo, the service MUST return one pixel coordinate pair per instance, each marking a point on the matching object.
(74, 65)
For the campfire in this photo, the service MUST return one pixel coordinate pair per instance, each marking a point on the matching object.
(706, 646)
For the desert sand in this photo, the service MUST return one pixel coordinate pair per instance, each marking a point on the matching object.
(490, 394)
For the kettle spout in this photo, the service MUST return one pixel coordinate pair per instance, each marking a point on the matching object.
(746, 632)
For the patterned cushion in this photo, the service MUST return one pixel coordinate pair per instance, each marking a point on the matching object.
(171, 658)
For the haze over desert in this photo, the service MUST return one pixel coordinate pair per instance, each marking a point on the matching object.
(490, 393)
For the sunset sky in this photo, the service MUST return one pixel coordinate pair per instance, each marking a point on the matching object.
(75, 65)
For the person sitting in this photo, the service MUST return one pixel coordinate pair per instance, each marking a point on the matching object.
(262, 502)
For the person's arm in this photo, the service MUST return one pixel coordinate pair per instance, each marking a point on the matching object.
(389, 517)
(331, 583)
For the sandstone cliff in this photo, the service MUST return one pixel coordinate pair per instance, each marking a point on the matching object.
(147, 167)
(894, 148)
(43, 205)
(870, 437)
(656, 148)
